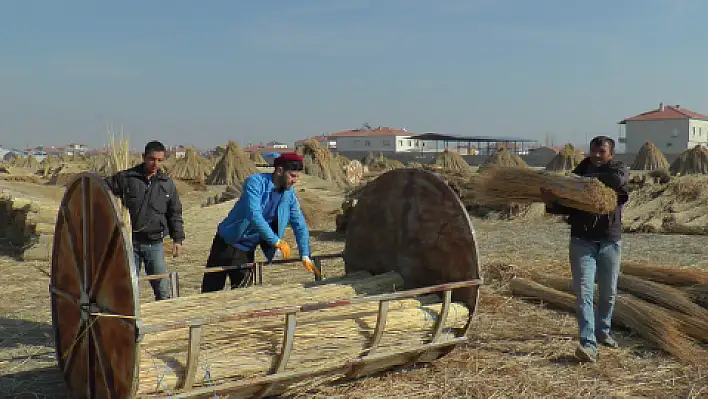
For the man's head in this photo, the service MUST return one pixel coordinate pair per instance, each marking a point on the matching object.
(602, 148)
(153, 157)
(287, 170)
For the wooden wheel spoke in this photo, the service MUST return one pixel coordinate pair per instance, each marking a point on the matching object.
(72, 244)
(70, 354)
(128, 320)
(85, 215)
(100, 355)
(106, 256)
(65, 295)
(90, 360)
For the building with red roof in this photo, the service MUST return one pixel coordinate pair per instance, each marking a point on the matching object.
(672, 128)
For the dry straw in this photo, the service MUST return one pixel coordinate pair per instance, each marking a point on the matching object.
(650, 157)
(506, 185)
(566, 160)
(691, 161)
(257, 158)
(233, 168)
(660, 294)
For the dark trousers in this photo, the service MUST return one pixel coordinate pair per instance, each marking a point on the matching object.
(224, 254)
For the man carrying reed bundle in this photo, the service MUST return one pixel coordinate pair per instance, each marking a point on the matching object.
(154, 205)
(259, 217)
(595, 248)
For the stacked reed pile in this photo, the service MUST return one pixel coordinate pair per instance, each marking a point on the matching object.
(241, 349)
(29, 225)
(566, 160)
(650, 157)
(692, 161)
(257, 158)
(452, 160)
(506, 185)
(319, 162)
(233, 168)
(192, 167)
(654, 302)
(503, 158)
(380, 163)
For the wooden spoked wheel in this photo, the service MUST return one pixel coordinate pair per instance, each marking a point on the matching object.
(412, 222)
(94, 293)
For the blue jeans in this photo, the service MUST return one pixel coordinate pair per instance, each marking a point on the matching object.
(153, 255)
(591, 261)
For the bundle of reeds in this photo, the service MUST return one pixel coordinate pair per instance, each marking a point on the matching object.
(666, 275)
(669, 330)
(234, 350)
(505, 185)
(566, 160)
(257, 158)
(233, 168)
(691, 161)
(650, 157)
(120, 160)
(452, 160)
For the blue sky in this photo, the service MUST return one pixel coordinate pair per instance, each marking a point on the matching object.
(201, 73)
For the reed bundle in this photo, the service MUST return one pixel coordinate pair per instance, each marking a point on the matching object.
(233, 168)
(665, 275)
(660, 294)
(650, 157)
(120, 160)
(257, 158)
(503, 158)
(238, 349)
(654, 323)
(506, 185)
(698, 294)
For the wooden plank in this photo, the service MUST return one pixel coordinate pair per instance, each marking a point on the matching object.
(195, 339)
(381, 319)
(285, 350)
(440, 322)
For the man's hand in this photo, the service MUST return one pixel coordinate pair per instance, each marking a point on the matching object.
(176, 249)
(284, 248)
(547, 196)
(310, 266)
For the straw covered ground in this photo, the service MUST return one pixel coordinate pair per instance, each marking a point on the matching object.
(518, 348)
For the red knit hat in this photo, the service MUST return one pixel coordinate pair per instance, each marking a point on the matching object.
(289, 161)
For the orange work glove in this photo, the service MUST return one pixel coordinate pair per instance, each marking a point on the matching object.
(310, 266)
(284, 248)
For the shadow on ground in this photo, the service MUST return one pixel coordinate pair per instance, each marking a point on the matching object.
(18, 332)
(43, 383)
(322, 235)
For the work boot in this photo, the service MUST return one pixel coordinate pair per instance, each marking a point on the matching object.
(608, 342)
(586, 353)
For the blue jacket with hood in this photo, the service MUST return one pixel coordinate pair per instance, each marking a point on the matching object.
(246, 217)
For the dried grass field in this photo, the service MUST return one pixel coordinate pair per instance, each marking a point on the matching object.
(517, 349)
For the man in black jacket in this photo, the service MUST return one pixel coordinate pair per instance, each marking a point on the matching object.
(595, 248)
(154, 206)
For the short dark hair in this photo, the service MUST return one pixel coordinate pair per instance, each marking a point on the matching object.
(602, 140)
(154, 146)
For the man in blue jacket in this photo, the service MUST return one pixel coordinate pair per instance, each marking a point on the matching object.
(259, 217)
(595, 248)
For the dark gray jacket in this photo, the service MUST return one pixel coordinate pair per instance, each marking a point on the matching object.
(154, 205)
(591, 226)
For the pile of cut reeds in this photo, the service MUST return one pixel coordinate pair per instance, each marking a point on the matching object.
(650, 157)
(692, 161)
(233, 350)
(662, 312)
(506, 185)
(566, 160)
(452, 160)
(233, 168)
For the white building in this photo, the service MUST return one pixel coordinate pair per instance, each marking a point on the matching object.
(381, 139)
(671, 128)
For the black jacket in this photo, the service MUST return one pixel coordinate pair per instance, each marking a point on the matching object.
(596, 227)
(154, 205)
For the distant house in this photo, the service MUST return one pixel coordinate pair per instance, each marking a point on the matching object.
(178, 151)
(276, 144)
(76, 149)
(671, 128)
(381, 139)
